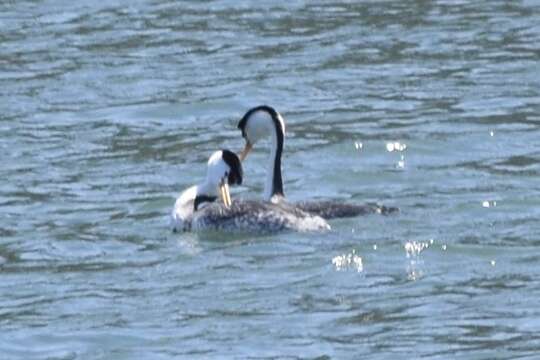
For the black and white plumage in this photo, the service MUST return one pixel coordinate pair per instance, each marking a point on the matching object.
(196, 209)
(189, 212)
(259, 217)
(260, 122)
(263, 121)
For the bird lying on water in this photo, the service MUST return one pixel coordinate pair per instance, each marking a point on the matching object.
(265, 121)
(191, 211)
(197, 208)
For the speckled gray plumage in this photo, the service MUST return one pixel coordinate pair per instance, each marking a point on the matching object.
(333, 209)
(256, 217)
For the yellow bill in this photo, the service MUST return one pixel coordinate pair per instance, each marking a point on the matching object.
(225, 195)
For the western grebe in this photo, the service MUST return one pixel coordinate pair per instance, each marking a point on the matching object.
(263, 121)
(190, 209)
(196, 208)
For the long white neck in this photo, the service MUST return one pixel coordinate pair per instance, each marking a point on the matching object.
(189, 195)
(263, 121)
(207, 188)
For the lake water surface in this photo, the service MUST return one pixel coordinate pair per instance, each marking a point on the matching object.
(108, 109)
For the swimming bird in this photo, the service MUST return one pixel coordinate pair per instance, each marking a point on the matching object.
(264, 121)
(189, 212)
(196, 209)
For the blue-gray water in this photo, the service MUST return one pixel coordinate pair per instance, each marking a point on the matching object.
(108, 109)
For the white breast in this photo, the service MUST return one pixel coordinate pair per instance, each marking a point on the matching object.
(182, 213)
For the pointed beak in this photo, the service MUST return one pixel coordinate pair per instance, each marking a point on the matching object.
(244, 153)
(224, 193)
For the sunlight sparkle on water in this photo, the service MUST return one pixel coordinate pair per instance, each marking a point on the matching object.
(401, 163)
(414, 248)
(348, 261)
(414, 272)
(395, 146)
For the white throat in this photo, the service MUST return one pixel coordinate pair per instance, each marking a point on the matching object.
(260, 125)
(208, 188)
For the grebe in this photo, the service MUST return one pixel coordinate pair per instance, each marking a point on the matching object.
(196, 209)
(263, 121)
(190, 209)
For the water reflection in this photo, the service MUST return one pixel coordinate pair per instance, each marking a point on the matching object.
(415, 265)
(348, 261)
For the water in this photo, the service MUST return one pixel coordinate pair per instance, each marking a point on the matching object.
(110, 109)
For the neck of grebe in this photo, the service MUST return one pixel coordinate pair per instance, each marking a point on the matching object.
(274, 182)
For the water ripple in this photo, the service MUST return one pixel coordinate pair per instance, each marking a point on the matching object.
(110, 109)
